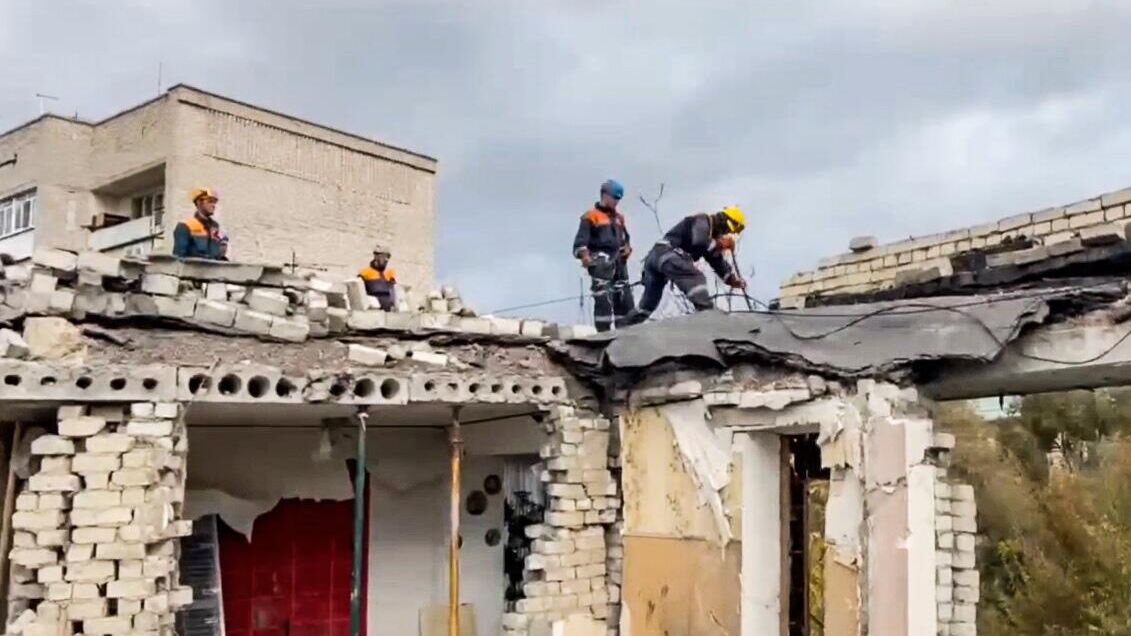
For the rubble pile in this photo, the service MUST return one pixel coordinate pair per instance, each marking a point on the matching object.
(237, 298)
(96, 525)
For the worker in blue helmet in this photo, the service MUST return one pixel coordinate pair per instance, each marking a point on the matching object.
(602, 244)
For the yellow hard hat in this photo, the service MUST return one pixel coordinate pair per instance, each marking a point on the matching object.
(200, 193)
(736, 220)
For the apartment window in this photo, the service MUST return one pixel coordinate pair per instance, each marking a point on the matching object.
(149, 204)
(17, 214)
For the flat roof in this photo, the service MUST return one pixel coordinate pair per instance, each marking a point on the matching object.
(170, 90)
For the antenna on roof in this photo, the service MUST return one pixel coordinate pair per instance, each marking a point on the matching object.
(159, 64)
(42, 106)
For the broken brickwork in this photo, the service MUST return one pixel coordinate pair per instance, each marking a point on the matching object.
(567, 571)
(95, 546)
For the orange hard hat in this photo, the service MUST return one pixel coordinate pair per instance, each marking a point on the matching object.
(203, 193)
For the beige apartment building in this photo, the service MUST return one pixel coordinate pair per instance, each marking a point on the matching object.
(291, 191)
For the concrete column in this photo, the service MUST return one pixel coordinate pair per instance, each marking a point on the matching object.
(762, 548)
(899, 515)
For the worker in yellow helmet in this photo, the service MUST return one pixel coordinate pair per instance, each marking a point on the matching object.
(199, 236)
(673, 258)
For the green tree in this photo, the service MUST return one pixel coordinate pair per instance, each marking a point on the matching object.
(1055, 548)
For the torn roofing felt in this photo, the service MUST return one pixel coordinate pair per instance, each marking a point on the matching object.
(852, 340)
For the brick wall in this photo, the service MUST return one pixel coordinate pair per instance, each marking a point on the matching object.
(95, 545)
(885, 266)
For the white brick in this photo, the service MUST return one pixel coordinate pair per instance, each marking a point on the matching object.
(962, 492)
(134, 477)
(145, 458)
(252, 321)
(85, 591)
(33, 557)
(97, 499)
(59, 592)
(52, 445)
(967, 578)
(24, 539)
(51, 538)
(52, 258)
(27, 501)
(79, 553)
(118, 551)
(590, 571)
(85, 463)
(133, 496)
(45, 482)
(166, 410)
(561, 574)
(158, 603)
(964, 542)
(109, 443)
(149, 428)
(90, 572)
(965, 613)
(104, 517)
(158, 566)
(147, 622)
(215, 312)
(86, 609)
(49, 574)
(84, 426)
(160, 284)
(290, 330)
(129, 607)
(109, 626)
(55, 464)
(966, 595)
(963, 560)
(552, 547)
(131, 569)
(180, 597)
(367, 356)
(132, 589)
(94, 535)
(268, 302)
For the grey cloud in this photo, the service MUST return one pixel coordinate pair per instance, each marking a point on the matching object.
(824, 120)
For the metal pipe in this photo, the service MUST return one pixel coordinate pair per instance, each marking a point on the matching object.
(358, 523)
(456, 438)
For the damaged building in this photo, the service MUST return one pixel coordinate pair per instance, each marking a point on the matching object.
(209, 447)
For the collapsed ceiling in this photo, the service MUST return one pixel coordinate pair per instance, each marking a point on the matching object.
(871, 339)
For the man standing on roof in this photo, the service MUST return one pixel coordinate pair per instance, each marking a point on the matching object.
(380, 280)
(673, 258)
(200, 236)
(602, 245)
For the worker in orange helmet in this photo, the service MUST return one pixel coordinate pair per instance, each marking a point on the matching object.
(381, 280)
(199, 236)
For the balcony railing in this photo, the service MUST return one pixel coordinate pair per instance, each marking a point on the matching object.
(122, 234)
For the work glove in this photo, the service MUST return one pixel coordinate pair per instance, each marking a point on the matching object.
(734, 281)
(725, 243)
(586, 259)
(626, 251)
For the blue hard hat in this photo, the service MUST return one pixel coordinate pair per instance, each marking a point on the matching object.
(613, 188)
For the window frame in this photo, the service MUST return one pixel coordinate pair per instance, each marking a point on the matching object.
(18, 213)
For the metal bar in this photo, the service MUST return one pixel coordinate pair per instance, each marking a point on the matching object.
(456, 437)
(358, 523)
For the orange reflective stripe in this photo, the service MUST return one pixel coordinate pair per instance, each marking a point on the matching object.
(597, 217)
(195, 227)
(371, 274)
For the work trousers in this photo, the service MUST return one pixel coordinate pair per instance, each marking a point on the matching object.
(612, 295)
(665, 264)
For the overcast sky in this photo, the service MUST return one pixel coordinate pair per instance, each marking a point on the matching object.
(823, 120)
